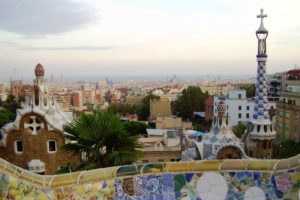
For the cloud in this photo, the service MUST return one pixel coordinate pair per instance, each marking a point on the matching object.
(76, 48)
(44, 17)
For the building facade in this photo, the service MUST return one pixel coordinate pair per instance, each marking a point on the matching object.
(288, 108)
(238, 107)
(218, 89)
(161, 145)
(160, 108)
(209, 108)
(34, 139)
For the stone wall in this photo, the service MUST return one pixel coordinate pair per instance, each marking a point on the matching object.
(217, 179)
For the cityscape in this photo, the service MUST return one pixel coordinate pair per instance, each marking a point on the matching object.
(153, 122)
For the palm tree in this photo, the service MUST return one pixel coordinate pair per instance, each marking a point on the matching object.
(101, 140)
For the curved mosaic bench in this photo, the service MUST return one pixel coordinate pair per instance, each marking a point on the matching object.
(214, 179)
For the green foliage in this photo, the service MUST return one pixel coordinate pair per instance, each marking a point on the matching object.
(11, 104)
(8, 113)
(101, 138)
(145, 107)
(65, 169)
(250, 90)
(136, 128)
(202, 126)
(6, 116)
(143, 110)
(192, 99)
(123, 109)
(239, 129)
(285, 148)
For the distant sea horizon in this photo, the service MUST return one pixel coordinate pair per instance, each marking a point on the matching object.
(117, 78)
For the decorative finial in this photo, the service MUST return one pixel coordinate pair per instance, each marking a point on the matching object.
(262, 28)
(262, 14)
(39, 70)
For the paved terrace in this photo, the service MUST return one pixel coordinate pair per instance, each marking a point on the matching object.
(214, 179)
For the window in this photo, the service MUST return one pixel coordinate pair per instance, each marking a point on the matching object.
(240, 115)
(173, 160)
(52, 146)
(19, 147)
(287, 127)
(144, 161)
(248, 107)
(247, 115)
(240, 107)
(287, 115)
(161, 160)
(239, 96)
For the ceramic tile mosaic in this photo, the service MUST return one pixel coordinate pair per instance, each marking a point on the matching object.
(156, 184)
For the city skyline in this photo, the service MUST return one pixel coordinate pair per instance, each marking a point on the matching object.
(128, 38)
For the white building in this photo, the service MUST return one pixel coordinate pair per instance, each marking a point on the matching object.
(239, 107)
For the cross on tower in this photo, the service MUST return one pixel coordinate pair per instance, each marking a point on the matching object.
(261, 16)
(34, 126)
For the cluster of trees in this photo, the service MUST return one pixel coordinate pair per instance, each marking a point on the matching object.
(285, 148)
(123, 109)
(239, 129)
(102, 140)
(192, 99)
(8, 110)
(142, 110)
(136, 128)
(250, 90)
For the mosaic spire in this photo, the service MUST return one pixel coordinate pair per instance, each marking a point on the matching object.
(261, 120)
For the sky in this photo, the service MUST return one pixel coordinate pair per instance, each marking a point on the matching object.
(145, 37)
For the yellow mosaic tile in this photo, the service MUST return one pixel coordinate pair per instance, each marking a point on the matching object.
(282, 164)
(234, 164)
(294, 161)
(260, 165)
(207, 165)
(177, 167)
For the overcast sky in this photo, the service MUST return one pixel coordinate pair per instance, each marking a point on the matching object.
(145, 37)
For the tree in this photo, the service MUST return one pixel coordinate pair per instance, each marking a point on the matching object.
(285, 148)
(239, 129)
(100, 138)
(8, 113)
(250, 90)
(123, 109)
(136, 128)
(144, 111)
(6, 116)
(11, 104)
(191, 99)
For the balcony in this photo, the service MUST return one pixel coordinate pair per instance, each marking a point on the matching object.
(290, 94)
(292, 82)
(287, 106)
